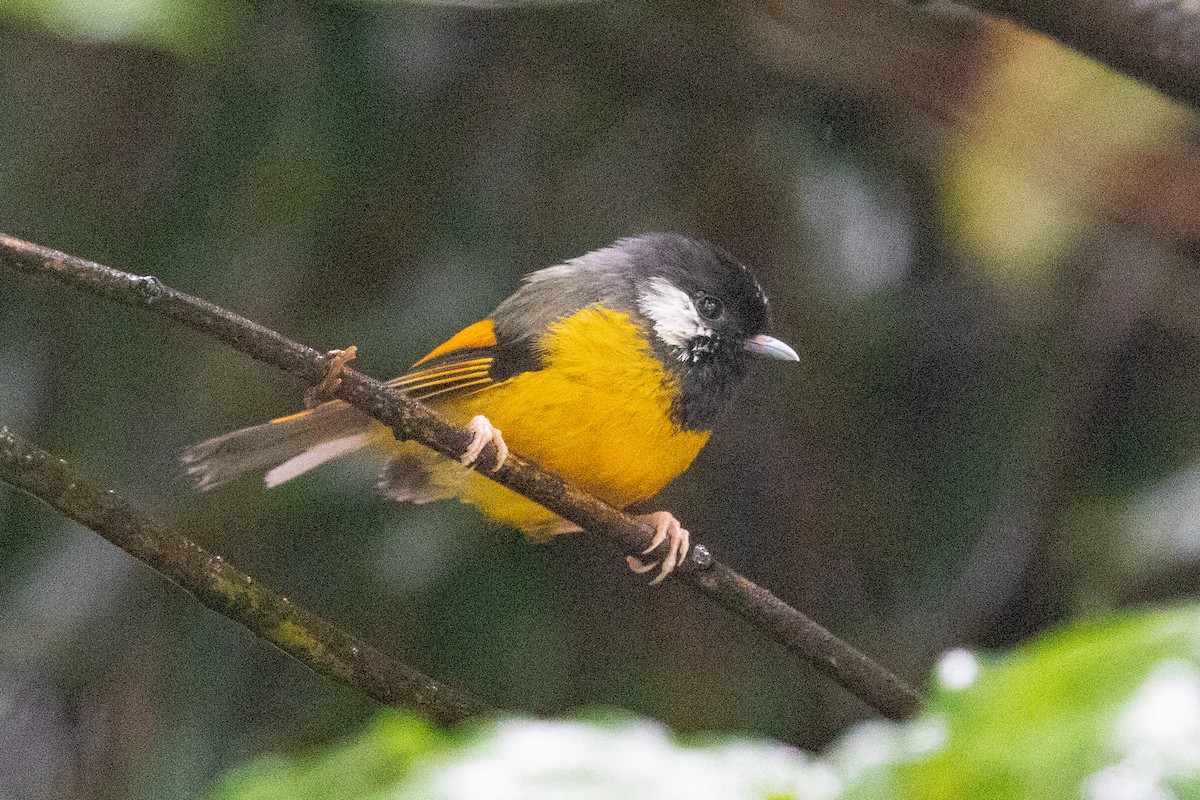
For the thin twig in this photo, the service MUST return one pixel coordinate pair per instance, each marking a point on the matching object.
(1156, 42)
(224, 588)
(409, 419)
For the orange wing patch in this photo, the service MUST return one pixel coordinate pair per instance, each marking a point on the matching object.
(481, 334)
(426, 383)
(463, 364)
(290, 417)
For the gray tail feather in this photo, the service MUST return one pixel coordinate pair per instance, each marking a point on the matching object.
(223, 458)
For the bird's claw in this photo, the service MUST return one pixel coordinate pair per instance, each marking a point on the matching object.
(666, 529)
(482, 432)
(323, 391)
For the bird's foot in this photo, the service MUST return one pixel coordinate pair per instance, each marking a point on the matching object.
(323, 391)
(666, 529)
(482, 432)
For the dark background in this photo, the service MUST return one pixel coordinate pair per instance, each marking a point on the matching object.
(982, 246)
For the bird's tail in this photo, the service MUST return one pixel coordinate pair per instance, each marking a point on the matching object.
(291, 445)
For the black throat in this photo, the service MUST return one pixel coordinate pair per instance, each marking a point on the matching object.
(707, 377)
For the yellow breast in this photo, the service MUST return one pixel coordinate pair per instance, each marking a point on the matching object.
(598, 414)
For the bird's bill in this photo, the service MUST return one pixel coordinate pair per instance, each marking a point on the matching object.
(771, 347)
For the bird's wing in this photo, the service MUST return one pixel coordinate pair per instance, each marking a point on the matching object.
(470, 360)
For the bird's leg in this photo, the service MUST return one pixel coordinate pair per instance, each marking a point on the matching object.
(323, 391)
(668, 529)
(482, 432)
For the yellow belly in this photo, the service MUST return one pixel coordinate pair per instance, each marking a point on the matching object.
(598, 414)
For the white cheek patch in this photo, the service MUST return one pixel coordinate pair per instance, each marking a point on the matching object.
(675, 318)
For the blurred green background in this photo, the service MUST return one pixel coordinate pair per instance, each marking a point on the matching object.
(983, 246)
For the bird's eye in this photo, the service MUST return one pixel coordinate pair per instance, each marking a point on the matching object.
(711, 308)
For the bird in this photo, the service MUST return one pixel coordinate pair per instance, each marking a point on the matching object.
(610, 369)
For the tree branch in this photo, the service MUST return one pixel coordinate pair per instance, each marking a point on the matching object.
(410, 419)
(304, 636)
(1157, 42)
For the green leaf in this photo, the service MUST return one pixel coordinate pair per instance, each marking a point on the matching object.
(613, 757)
(186, 27)
(1101, 710)
(371, 766)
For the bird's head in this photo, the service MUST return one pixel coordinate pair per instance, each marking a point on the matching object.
(707, 315)
(702, 311)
